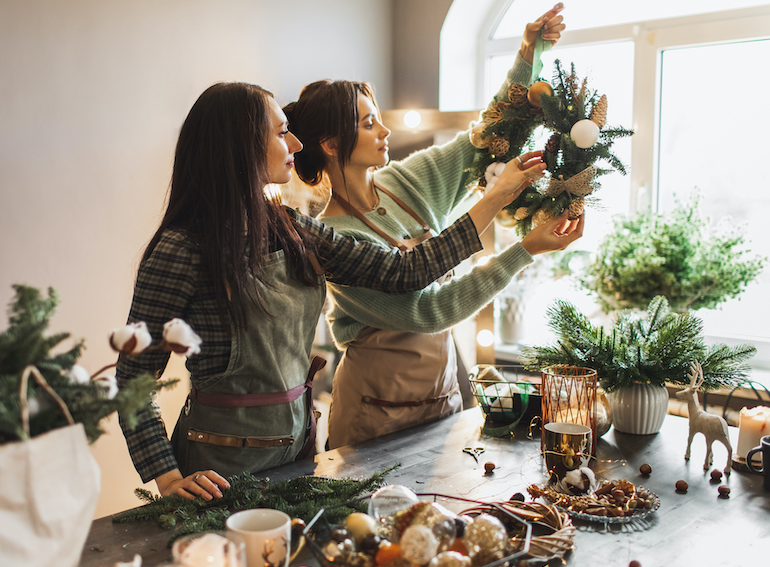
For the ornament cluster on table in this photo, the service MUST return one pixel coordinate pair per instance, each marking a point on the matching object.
(400, 530)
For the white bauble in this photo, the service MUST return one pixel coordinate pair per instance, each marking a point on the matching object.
(584, 133)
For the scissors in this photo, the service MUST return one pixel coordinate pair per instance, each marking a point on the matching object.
(474, 452)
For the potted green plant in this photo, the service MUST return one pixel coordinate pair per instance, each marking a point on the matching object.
(635, 360)
(676, 255)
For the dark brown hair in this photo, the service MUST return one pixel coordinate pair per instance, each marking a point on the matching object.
(325, 110)
(217, 194)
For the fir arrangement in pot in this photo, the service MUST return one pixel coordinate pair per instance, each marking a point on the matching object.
(638, 357)
(50, 410)
(678, 255)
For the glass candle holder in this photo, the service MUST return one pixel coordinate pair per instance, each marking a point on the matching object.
(569, 396)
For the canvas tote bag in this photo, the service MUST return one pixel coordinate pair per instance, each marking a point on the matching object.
(52, 484)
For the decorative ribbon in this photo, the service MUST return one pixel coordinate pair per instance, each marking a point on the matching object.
(541, 46)
(579, 185)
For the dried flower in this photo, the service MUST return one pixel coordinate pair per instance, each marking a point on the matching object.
(180, 337)
(131, 339)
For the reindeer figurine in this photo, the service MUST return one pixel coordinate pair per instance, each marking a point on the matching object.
(713, 427)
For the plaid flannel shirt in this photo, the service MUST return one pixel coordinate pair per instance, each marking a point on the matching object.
(172, 283)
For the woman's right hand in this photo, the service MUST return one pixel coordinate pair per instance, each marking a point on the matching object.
(519, 173)
(206, 484)
(556, 234)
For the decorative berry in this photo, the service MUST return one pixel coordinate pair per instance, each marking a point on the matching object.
(518, 497)
(489, 467)
(634, 563)
(681, 486)
(716, 475)
(645, 469)
(724, 491)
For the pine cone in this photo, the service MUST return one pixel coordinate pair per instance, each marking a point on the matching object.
(541, 216)
(576, 208)
(599, 112)
(553, 144)
(499, 146)
(517, 94)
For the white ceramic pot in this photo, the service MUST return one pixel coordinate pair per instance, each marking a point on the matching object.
(639, 409)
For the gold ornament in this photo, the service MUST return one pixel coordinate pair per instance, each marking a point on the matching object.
(477, 136)
(599, 112)
(536, 92)
(499, 146)
(517, 94)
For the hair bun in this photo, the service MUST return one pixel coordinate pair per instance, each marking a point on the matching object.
(288, 110)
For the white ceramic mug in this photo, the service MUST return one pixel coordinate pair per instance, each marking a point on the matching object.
(266, 533)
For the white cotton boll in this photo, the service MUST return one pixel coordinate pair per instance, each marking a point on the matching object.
(489, 174)
(131, 339)
(491, 184)
(579, 481)
(109, 385)
(33, 405)
(78, 375)
(181, 338)
(499, 168)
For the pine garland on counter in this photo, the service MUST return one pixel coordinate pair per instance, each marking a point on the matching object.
(300, 497)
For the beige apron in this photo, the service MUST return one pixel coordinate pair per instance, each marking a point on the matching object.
(391, 380)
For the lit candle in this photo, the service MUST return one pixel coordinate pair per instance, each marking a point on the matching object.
(754, 424)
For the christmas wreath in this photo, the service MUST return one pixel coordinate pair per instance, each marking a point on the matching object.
(577, 117)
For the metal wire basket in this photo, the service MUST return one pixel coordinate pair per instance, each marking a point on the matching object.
(506, 395)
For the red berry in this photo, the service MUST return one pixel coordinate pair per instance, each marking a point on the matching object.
(681, 486)
(645, 469)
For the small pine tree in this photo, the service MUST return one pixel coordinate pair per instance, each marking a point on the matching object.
(655, 348)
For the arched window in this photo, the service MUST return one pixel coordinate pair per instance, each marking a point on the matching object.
(688, 76)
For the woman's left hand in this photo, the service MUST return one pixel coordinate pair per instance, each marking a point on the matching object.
(552, 24)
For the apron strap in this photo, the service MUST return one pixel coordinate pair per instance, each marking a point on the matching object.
(402, 245)
(309, 448)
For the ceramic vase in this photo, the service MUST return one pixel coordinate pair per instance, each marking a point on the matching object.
(639, 409)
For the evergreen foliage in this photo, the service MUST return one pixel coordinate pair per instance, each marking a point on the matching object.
(655, 347)
(302, 497)
(677, 256)
(24, 343)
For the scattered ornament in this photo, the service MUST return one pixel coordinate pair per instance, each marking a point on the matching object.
(418, 544)
(518, 497)
(634, 563)
(360, 525)
(390, 500)
(489, 467)
(450, 559)
(388, 552)
(716, 475)
(486, 536)
(585, 133)
(724, 491)
(645, 469)
(681, 486)
(536, 92)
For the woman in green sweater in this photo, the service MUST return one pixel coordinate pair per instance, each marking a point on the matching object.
(399, 365)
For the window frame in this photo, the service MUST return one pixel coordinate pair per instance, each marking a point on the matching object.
(650, 39)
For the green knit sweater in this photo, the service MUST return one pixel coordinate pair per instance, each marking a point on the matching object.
(433, 182)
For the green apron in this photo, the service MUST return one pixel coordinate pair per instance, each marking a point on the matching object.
(270, 356)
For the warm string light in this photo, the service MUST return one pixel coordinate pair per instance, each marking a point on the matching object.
(485, 338)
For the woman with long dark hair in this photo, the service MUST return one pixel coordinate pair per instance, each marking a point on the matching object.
(247, 274)
(399, 362)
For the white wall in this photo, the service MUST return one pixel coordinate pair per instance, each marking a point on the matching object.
(92, 94)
